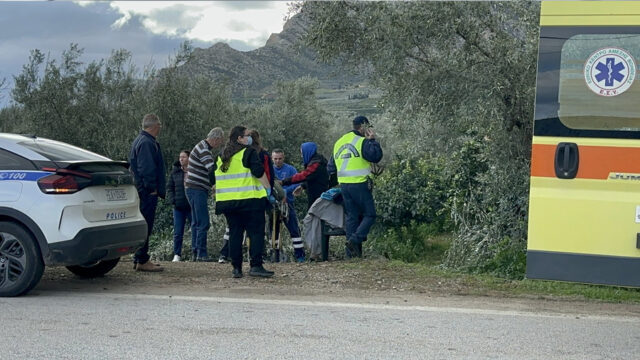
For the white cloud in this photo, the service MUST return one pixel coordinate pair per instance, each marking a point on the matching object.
(247, 22)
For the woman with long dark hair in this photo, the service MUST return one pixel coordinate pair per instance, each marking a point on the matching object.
(177, 197)
(242, 194)
(263, 155)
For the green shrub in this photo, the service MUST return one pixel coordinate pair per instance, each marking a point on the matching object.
(409, 243)
(161, 245)
(489, 207)
(509, 261)
(412, 191)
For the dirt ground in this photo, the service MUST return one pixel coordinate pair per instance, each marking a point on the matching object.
(362, 281)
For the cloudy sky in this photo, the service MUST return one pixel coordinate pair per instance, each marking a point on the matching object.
(151, 30)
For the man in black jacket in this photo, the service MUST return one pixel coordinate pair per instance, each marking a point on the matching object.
(181, 209)
(147, 166)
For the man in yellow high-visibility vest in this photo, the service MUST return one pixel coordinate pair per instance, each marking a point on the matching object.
(352, 156)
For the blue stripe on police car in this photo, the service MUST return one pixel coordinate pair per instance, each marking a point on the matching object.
(22, 175)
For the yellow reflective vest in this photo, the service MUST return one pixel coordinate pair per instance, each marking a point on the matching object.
(347, 154)
(237, 183)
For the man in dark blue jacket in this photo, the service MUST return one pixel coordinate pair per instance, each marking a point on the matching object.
(147, 166)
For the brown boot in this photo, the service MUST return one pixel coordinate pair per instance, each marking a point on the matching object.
(149, 267)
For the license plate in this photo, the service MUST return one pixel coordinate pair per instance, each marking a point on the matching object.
(116, 194)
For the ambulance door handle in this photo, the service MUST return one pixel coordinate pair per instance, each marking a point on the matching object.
(566, 160)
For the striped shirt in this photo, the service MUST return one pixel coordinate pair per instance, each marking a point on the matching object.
(200, 164)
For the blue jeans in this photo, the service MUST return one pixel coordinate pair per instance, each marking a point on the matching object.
(180, 217)
(292, 222)
(200, 222)
(360, 211)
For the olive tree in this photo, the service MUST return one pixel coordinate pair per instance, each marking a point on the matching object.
(458, 80)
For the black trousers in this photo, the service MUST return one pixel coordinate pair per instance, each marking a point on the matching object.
(253, 223)
(148, 205)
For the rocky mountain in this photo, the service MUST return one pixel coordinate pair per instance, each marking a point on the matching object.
(252, 73)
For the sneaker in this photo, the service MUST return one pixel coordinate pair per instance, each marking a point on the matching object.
(237, 273)
(222, 259)
(176, 258)
(260, 271)
(204, 259)
(300, 259)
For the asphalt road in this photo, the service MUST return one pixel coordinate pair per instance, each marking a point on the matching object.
(78, 324)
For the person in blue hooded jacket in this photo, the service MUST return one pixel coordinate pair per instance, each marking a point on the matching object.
(314, 178)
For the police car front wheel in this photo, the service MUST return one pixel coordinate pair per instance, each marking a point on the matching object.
(21, 264)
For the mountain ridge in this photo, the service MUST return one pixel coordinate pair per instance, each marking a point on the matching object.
(251, 74)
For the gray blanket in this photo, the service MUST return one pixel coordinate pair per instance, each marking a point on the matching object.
(325, 210)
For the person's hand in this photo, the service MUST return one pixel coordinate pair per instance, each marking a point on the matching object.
(270, 197)
(297, 191)
(369, 133)
(279, 182)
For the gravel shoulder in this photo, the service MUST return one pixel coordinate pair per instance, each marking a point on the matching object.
(359, 281)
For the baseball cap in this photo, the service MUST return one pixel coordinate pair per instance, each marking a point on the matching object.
(359, 120)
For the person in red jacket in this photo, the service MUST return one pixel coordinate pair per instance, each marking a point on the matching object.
(314, 177)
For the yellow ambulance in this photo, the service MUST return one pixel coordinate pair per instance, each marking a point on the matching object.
(584, 209)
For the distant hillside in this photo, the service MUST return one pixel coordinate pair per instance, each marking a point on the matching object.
(251, 74)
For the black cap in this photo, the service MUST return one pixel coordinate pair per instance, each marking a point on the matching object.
(359, 120)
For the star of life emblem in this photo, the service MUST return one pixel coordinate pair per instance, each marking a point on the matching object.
(609, 71)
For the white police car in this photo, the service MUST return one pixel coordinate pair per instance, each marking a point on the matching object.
(62, 205)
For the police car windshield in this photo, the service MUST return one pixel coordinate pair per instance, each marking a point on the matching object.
(57, 151)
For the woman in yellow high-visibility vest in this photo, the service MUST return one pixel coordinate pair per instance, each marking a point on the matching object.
(242, 192)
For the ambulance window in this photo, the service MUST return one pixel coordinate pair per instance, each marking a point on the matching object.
(598, 87)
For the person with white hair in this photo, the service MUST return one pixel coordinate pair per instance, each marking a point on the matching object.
(147, 165)
(198, 185)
